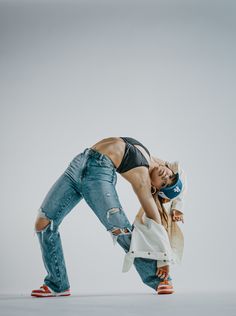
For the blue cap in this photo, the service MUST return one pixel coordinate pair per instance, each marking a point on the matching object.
(172, 191)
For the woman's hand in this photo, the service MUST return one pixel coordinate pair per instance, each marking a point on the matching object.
(177, 216)
(163, 272)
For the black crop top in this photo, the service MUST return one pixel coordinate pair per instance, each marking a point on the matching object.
(132, 157)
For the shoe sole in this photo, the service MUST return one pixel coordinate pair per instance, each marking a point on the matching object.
(165, 289)
(49, 295)
(165, 292)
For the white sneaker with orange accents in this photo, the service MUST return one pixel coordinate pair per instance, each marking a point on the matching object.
(45, 291)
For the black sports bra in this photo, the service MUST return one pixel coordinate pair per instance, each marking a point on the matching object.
(132, 157)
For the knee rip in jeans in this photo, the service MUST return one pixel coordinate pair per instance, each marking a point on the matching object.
(115, 218)
(41, 214)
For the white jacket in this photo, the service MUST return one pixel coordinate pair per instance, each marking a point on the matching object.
(151, 240)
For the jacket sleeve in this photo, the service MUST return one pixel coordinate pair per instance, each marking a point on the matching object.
(178, 202)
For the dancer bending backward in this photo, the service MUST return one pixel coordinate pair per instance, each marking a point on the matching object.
(92, 175)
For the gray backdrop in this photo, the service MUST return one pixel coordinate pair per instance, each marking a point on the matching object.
(74, 72)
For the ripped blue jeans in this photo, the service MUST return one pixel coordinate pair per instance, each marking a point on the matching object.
(92, 176)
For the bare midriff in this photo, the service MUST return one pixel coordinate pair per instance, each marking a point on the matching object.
(114, 148)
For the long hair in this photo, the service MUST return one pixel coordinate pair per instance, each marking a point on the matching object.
(162, 211)
(160, 201)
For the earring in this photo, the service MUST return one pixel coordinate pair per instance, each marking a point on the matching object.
(153, 190)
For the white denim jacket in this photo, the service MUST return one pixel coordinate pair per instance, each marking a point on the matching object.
(149, 240)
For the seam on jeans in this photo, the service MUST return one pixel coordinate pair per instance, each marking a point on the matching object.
(55, 259)
(63, 206)
(114, 179)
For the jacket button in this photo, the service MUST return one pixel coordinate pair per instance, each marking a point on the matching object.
(164, 260)
(164, 254)
(132, 251)
(148, 253)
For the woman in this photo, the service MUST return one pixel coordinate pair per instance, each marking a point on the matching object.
(92, 175)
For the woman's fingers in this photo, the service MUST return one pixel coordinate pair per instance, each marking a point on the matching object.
(163, 276)
(177, 216)
(162, 273)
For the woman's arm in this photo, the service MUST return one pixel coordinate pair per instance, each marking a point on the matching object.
(140, 180)
(140, 215)
(163, 269)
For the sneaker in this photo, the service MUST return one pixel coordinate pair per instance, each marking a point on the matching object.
(165, 287)
(45, 291)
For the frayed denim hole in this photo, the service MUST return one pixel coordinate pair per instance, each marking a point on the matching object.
(42, 214)
(118, 232)
(116, 217)
(43, 231)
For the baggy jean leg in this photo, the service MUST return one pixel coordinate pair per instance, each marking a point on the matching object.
(59, 201)
(53, 258)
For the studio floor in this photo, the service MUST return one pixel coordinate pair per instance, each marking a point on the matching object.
(199, 304)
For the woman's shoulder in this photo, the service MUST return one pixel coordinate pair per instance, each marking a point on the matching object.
(158, 160)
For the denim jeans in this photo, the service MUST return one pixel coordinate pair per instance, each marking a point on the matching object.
(92, 176)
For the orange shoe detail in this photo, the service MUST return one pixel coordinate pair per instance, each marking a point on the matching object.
(165, 287)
